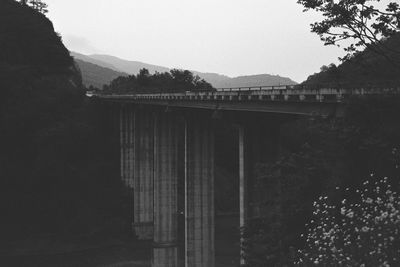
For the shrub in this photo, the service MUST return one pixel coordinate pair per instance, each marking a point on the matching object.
(363, 230)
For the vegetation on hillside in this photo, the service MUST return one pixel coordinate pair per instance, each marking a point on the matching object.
(361, 231)
(95, 76)
(360, 24)
(216, 80)
(318, 155)
(54, 174)
(144, 82)
(364, 69)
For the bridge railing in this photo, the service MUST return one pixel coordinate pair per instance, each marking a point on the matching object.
(303, 92)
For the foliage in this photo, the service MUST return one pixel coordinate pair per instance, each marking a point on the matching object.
(58, 166)
(363, 70)
(361, 21)
(144, 82)
(39, 6)
(362, 231)
(95, 75)
(30, 41)
(284, 190)
(316, 156)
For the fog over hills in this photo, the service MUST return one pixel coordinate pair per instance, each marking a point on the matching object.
(110, 66)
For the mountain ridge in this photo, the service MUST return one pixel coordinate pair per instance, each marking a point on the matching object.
(96, 75)
(116, 64)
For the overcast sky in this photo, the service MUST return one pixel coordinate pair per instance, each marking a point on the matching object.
(231, 37)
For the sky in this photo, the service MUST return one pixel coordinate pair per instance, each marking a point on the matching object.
(231, 37)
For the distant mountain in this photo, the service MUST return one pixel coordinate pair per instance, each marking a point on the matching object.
(131, 67)
(95, 75)
(217, 80)
(253, 80)
(89, 59)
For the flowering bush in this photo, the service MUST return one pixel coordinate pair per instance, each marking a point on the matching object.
(361, 231)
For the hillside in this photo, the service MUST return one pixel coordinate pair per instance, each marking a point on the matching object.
(30, 41)
(95, 75)
(254, 80)
(50, 148)
(94, 61)
(217, 80)
(366, 68)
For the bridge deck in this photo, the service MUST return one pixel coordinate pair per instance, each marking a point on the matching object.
(275, 99)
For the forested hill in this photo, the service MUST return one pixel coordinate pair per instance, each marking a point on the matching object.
(45, 133)
(27, 39)
(254, 80)
(95, 75)
(366, 68)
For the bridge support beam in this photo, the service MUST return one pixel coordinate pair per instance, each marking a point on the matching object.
(143, 174)
(165, 251)
(199, 200)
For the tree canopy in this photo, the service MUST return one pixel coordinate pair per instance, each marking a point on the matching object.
(144, 82)
(37, 5)
(362, 22)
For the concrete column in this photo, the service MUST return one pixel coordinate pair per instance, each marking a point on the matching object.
(243, 203)
(127, 153)
(121, 142)
(199, 201)
(143, 174)
(124, 142)
(165, 252)
(130, 146)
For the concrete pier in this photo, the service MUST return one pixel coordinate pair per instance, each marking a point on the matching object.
(165, 251)
(151, 151)
(127, 146)
(130, 146)
(123, 139)
(199, 200)
(143, 174)
(243, 198)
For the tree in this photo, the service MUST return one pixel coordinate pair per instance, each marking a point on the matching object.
(39, 6)
(362, 22)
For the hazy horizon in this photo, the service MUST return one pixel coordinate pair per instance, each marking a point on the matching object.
(232, 38)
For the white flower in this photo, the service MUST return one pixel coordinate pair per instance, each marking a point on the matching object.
(343, 211)
(365, 229)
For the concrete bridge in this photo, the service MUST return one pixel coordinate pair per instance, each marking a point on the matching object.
(167, 142)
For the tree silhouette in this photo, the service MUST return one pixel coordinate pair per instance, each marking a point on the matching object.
(167, 82)
(361, 21)
(38, 5)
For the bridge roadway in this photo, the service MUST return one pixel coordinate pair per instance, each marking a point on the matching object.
(293, 99)
(159, 150)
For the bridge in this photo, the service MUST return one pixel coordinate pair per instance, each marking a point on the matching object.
(167, 141)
